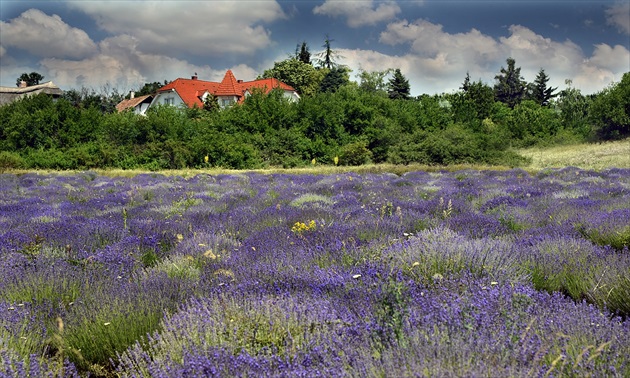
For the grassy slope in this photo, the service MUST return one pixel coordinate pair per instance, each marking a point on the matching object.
(588, 156)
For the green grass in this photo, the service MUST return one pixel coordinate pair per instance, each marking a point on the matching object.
(587, 155)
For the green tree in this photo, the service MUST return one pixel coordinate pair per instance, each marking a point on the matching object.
(304, 55)
(303, 77)
(373, 82)
(574, 110)
(539, 91)
(151, 88)
(398, 87)
(334, 79)
(328, 56)
(466, 84)
(33, 78)
(510, 86)
(211, 103)
(610, 111)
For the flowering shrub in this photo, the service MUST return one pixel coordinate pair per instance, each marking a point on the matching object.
(471, 273)
(300, 227)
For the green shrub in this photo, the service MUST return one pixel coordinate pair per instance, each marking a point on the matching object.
(355, 153)
(10, 160)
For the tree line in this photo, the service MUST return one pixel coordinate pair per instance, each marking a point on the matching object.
(337, 121)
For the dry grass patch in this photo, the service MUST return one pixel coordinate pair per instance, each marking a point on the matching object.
(586, 156)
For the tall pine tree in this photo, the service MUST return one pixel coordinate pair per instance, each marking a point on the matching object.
(304, 55)
(398, 87)
(539, 91)
(510, 86)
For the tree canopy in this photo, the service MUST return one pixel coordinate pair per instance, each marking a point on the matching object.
(303, 77)
(539, 91)
(510, 85)
(398, 87)
(33, 78)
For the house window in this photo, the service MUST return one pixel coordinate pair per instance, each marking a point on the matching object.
(226, 102)
(169, 101)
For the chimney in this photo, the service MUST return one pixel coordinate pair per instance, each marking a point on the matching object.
(132, 94)
(194, 77)
(23, 84)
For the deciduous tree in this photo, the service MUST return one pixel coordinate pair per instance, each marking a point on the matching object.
(31, 79)
(303, 77)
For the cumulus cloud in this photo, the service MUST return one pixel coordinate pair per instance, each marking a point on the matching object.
(437, 61)
(359, 13)
(618, 15)
(196, 27)
(605, 66)
(119, 64)
(46, 36)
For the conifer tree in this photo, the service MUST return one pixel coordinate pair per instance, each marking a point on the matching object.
(398, 87)
(304, 55)
(510, 86)
(538, 90)
(328, 56)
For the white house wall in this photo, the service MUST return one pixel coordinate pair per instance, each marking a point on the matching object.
(164, 98)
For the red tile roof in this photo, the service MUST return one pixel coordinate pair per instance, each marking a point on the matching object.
(229, 86)
(191, 90)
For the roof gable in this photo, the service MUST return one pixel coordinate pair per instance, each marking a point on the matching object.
(132, 102)
(190, 90)
(229, 86)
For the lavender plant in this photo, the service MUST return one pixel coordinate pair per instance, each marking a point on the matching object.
(469, 273)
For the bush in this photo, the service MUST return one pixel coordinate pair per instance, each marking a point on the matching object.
(10, 160)
(355, 153)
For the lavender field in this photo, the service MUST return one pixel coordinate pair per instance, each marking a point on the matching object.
(468, 273)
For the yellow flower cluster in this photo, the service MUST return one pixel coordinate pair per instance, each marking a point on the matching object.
(300, 227)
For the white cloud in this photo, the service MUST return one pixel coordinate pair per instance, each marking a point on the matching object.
(359, 13)
(618, 15)
(533, 52)
(197, 27)
(46, 36)
(437, 61)
(120, 65)
(606, 65)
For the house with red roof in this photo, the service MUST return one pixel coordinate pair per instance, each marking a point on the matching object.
(193, 92)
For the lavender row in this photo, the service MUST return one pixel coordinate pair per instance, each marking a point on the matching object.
(478, 273)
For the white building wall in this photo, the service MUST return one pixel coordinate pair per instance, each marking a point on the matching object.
(167, 98)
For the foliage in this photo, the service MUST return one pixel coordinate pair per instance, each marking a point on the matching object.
(355, 153)
(327, 58)
(398, 87)
(539, 91)
(303, 77)
(373, 82)
(574, 110)
(510, 85)
(33, 78)
(355, 123)
(610, 110)
(334, 79)
(304, 55)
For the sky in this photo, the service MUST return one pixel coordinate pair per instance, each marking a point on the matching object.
(106, 45)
